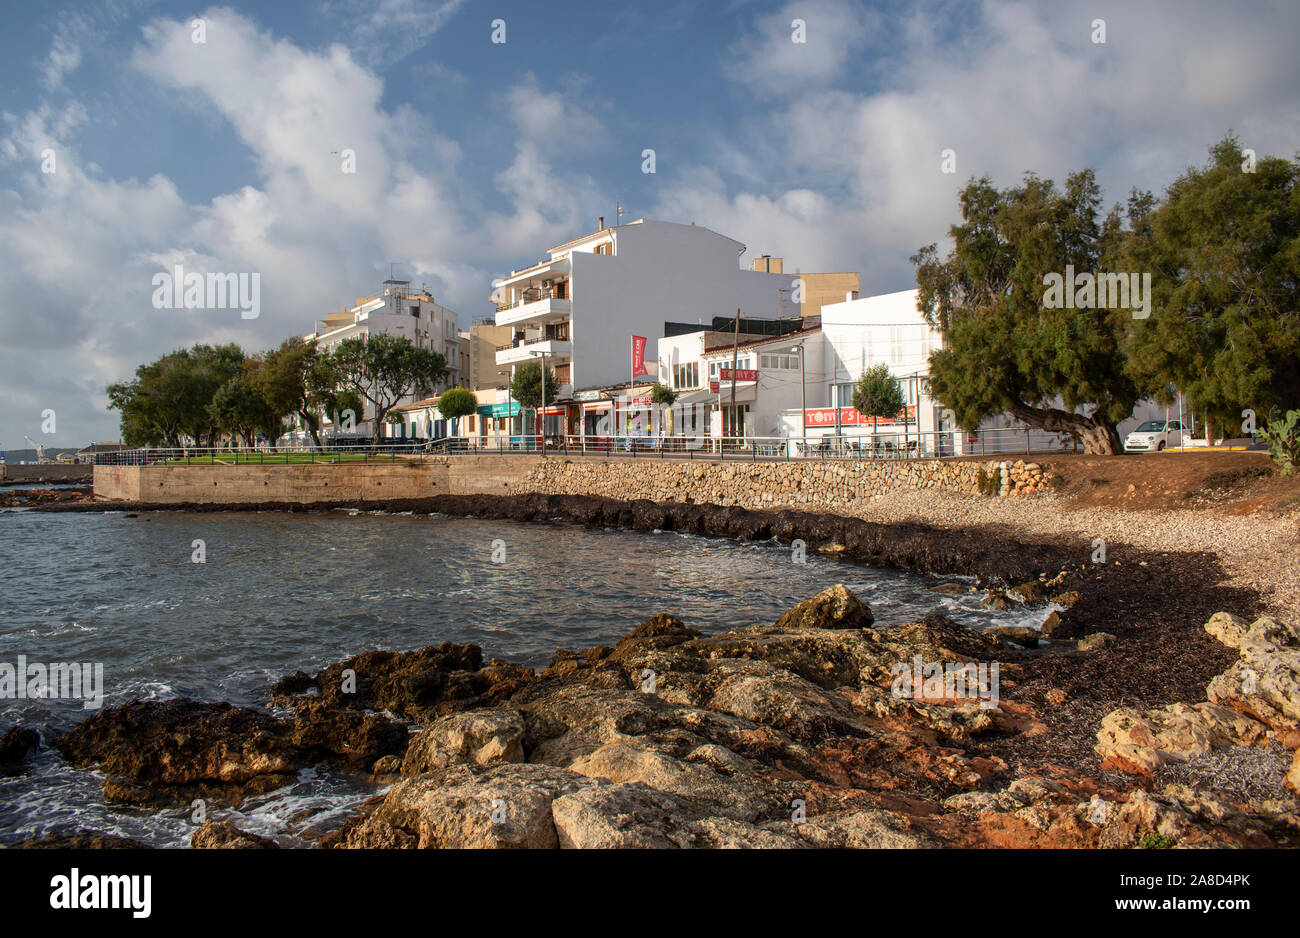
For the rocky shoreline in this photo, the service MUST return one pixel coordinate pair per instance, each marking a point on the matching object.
(789, 734)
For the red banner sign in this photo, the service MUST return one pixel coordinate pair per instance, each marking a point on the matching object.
(825, 417)
(638, 355)
(742, 374)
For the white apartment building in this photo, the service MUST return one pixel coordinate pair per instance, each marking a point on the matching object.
(772, 374)
(583, 303)
(397, 311)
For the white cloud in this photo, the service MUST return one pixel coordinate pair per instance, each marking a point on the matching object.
(1020, 87)
(781, 58)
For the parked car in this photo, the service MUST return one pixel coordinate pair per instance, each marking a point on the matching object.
(1153, 436)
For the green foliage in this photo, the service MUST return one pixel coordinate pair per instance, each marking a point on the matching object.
(381, 369)
(284, 382)
(662, 394)
(1154, 841)
(526, 385)
(1224, 251)
(169, 401)
(1003, 351)
(240, 408)
(989, 483)
(1282, 434)
(877, 393)
(456, 403)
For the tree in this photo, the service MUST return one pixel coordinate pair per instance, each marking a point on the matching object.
(526, 385)
(878, 394)
(456, 403)
(168, 402)
(383, 369)
(663, 396)
(284, 380)
(1223, 248)
(1005, 350)
(239, 407)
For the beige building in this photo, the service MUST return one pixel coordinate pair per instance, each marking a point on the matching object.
(818, 289)
(479, 362)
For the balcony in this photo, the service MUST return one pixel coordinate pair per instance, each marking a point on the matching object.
(534, 306)
(529, 349)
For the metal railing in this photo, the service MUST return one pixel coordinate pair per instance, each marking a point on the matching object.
(845, 446)
(287, 454)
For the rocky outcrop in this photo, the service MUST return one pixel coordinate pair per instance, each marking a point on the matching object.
(169, 752)
(1228, 765)
(676, 739)
(479, 737)
(223, 835)
(16, 743)
(419, 685)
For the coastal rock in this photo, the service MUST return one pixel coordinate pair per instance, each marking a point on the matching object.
(16, 743)
(1096, 641)
(1265, 681)
(168, 751)
(1142, 742)
(1017, 634)
(419, 685)
(82, 840)
(224, 835)
(833, 608)
(358, 740)
(479, 737)
(506, 805)
(1227, 628)
(863, 829)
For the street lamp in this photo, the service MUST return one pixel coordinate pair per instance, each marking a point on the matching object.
(509, 408)
(542, 418)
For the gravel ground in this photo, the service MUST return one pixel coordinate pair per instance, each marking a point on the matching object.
(1260, 551)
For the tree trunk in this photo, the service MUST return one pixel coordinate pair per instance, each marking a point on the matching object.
(1099, 437)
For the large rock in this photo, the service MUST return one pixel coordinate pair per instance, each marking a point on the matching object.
(16, 743)
(419, 685)
(477, 737)
(863, 829)
(165, 752)
(224, 835)
(507, 805)
(833, 608)
(169, 752)
(1143, 742)
(358, 740)
(1265, 681)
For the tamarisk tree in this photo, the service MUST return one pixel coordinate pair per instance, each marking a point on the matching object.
(1057, 367)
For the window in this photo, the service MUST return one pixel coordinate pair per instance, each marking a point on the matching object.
(687, 375)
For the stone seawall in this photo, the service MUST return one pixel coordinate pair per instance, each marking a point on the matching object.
(828, 484)
(377, 481)
(824, 485)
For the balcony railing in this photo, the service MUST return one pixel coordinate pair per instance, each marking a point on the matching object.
(535, 341)
(532, 296)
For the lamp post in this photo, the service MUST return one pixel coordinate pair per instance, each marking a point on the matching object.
(542, 416)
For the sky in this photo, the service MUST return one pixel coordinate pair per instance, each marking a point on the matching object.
(128, 146)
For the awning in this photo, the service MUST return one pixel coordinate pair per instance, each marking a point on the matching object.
(498, 410)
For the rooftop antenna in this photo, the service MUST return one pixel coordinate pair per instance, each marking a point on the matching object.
(618, 213)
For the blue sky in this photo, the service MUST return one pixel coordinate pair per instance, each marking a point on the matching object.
(473, 157)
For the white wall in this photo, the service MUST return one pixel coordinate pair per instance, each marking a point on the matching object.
(660, 272)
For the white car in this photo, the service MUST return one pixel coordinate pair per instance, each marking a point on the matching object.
(1153, 436)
